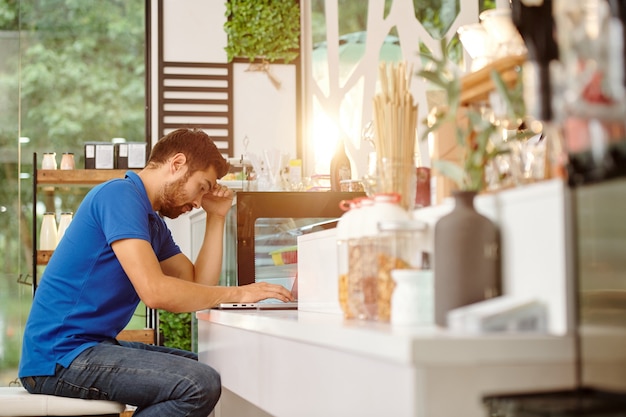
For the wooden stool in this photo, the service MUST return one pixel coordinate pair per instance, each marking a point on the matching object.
(17, 402)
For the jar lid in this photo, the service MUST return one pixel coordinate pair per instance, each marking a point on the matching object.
(387, 198)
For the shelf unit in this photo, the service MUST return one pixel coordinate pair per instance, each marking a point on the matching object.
(52, 177)
(476, 86)
(81, 177)
(77, 176)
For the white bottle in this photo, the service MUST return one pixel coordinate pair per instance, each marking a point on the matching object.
(64, 222)
(48, 233)
(49, 161)
(67, 161)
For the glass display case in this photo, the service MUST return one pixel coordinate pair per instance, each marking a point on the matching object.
(268, 225)
(275, 246)
(261, 232)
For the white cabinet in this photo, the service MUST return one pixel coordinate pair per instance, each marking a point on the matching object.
(295, 363)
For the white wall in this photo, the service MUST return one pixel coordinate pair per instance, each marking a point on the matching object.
(193, 32)
(264, 113)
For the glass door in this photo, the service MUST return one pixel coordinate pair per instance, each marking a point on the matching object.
(70, 72)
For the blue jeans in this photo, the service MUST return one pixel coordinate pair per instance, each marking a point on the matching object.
(159, 381)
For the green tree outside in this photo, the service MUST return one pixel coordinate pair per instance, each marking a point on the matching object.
(71, 71)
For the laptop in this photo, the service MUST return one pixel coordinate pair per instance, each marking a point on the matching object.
(267, 304)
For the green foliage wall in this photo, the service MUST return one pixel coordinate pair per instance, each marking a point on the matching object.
(175, 329)
(263, 28)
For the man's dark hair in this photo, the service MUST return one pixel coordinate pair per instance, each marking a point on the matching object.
(196, 145)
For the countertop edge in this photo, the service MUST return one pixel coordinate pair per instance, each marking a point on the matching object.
(415, 345)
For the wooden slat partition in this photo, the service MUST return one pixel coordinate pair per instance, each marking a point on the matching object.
(198, 94)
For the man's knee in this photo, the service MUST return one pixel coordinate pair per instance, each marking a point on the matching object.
(210, 387)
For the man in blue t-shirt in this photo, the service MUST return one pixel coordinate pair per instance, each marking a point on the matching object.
(118, 251)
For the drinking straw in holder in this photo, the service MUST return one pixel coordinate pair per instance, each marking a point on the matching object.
(395, 120)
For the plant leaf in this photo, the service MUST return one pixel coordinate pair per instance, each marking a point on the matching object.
(450, 170)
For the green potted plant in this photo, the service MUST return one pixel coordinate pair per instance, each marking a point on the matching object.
(263, 29)
(471, 136)
(474, 132)
(466, 243)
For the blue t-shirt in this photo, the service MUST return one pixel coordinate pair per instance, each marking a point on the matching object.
(84, 296)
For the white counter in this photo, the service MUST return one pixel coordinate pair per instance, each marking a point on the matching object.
(298, 364)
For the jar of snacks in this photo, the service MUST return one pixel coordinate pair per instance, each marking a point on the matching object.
(364, 251)
(345, 230)
(399, 247)
(403, 240)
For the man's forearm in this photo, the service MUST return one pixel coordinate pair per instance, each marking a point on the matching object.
(208, 264)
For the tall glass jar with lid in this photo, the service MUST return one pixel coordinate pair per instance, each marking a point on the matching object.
(345, 232)
(400, 254)
(363, 284)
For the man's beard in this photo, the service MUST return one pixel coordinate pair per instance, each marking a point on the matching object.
(171, 196)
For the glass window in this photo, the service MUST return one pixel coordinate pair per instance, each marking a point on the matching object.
(345, 58)
(70, 72)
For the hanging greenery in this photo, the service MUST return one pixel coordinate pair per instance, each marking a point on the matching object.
(266, 29)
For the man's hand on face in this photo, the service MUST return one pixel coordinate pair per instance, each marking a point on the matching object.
(218, 201)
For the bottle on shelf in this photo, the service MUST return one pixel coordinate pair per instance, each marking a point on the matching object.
(64, 222)
(67, 161)
(340, 168)
(48, 233)
(49, 161)
(535, 24)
